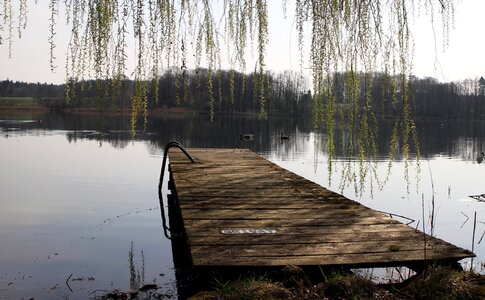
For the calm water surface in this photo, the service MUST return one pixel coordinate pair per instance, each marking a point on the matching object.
(78, 193)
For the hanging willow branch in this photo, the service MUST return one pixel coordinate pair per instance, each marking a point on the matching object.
(355, 37)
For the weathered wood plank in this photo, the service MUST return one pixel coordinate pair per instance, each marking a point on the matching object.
(261, 223)
(342, 248)
(281, 239)
(258, 205)
(302, 230)
(198, 214)
(337, 259)
(240, 209)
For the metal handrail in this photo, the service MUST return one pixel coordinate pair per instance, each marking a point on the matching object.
(166, 229)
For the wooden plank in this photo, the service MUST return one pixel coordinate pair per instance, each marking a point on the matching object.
(301, 230)
(399, 258)
(258, 205)
(308, 196)
(273, 239)
(341, 248)
(240, 209)
(261, 223)
(207, 214)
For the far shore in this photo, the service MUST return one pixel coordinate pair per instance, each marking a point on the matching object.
(155, 112)
(91, 110)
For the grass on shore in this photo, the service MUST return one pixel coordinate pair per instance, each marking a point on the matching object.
(433, 283)
(17, 101)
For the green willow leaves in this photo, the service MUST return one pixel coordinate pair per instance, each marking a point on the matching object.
(344, 36)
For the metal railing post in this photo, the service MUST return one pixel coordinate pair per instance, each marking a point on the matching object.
(166, 229)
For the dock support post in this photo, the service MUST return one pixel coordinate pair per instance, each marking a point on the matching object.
(182, 259)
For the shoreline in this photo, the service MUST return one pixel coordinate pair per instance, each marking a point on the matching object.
(92, 110)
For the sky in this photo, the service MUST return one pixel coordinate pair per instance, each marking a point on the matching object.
(464, 58)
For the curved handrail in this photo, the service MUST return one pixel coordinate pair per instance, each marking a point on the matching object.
(166, 229)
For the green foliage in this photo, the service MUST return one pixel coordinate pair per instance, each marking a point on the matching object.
(16, 100)
(139, 104)
(434, 283)
(346, 286)
(445, 283)
(137, 276)
(355, 36)
(252, 287)
(350, 35)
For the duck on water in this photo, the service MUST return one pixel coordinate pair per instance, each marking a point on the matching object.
(480, 157)
(246, 137)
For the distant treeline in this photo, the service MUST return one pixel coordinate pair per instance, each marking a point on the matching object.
(285, 93)
(233, 92)
(428, 97)
(453, 101)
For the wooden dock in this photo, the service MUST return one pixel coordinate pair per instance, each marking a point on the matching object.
(239, 209)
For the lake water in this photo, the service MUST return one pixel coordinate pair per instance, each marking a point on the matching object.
(78, 194)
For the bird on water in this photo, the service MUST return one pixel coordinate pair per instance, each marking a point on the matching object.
(246, 137)
(480, 157)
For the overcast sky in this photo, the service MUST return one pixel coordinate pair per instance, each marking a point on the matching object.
(464, 58)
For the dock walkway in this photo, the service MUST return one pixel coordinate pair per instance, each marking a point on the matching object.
(239, 209)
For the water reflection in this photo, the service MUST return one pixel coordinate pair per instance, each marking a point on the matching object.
(463, 140)
(74, 208)
(458, 140)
